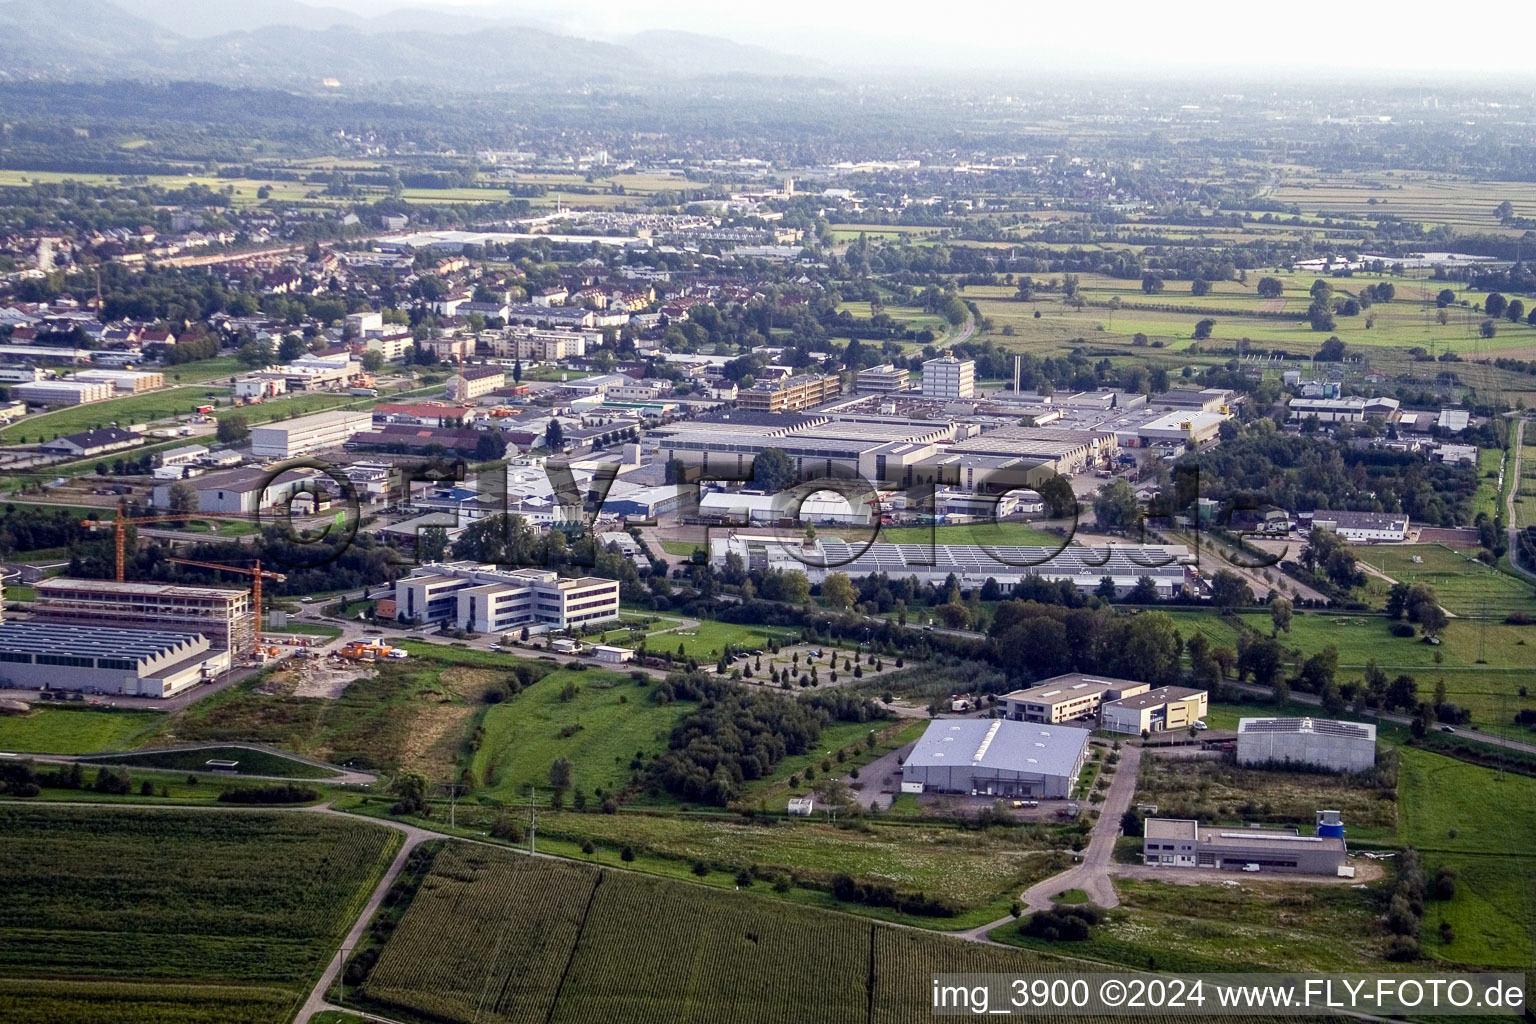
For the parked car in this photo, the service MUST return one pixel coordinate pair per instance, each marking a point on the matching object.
(1446, 728)
(1250, 867)
(1201, 726)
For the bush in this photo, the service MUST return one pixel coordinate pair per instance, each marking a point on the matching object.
(1062, 924)
(282, 793)
(1402, 630)
(1402, 948)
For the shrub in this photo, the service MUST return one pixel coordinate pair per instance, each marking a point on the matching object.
(1062, 924)
(282, 793)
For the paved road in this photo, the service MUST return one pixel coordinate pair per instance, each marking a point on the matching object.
(343, 776)
(1092, 875)
(1513, 539)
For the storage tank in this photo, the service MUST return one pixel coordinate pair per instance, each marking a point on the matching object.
(1329, 823)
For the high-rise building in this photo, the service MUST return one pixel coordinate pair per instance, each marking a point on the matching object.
(949, 378)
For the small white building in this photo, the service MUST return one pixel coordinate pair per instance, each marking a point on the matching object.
(802, 806)
(1386, 527)
(612, 655)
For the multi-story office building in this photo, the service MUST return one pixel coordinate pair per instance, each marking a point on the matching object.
(308, 434)
(485, 599)
(882, 378)
(790, 394)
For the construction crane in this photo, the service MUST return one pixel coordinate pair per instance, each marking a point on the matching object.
(257, 574)
(120, 524)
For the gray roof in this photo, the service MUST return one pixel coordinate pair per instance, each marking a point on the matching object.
(138, 645)
(1156, 698)
(104, 436)
(1001, 744)
(1313, 726)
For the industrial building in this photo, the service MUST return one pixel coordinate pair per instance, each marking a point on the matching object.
(91, 442)
(995, 757)
(1387, 527)
(96, 659)
(221, 614)
(1062, 450)
(1175, 842)
(485, 599)
(1344, 410)
(62, 392)
(790, 394)
(308, 434)
(124, 380)
(1161, 710)
(1073, 697)
(882, 452)
(1313, 742)
(244, 490)
(973, 564)
(947, 378)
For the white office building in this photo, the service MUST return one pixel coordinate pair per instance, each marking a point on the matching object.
(949, 378)
(485, 599)
(307, 434)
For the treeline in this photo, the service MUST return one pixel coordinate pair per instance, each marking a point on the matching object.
(34, 527)
(737, 736)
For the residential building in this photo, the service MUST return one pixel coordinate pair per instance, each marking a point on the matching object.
(472, 383)
(1364, 526)
(1173, 842)
(948, 379)
(287, 439)
(95, 659)
(261, 385)
(485, 599)
(995, 757)
(1067, 698)
(1312, 742)
(223, 615)
(391, 345)
(1164, 709)
(427, 414)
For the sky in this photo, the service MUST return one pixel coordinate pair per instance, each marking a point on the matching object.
(1133, 36)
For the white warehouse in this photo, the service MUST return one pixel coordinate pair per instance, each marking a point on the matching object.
(307, 434)
(1313, 742)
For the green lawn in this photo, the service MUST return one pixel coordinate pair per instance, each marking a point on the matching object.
(1464, 585)
(146, 408)
(75, 730)
(195, 759)
(611, 721)
(709, 638)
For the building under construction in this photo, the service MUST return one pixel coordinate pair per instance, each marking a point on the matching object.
(223, 615)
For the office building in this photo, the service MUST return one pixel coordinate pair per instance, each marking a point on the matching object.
(790, 394)
(1179, 843)
(1161, 710)
(883, 378)
(948, 379)
(485, 599)
(223, 615)
(1068, 698)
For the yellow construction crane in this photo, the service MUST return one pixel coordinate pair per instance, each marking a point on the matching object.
(120, 524)
(257, 573)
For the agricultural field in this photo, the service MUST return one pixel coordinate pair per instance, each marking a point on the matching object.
(69, 730)
(492, 933)
(237, 931)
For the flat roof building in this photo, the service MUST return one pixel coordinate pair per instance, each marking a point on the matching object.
(124, 380)
(949, 378)
(308, 434)
(1067, 698)
(1161, 710)
(96, 659)
(1312, 742)
(1175, 842)
(62, 392)
(1363, 526)
(222, 614)
(883, 378)
(789, 394)
(995, 757)
(486, 599)
(243, 490)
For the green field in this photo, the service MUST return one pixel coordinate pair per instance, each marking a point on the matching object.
(492, 933)
(611, 721)
(145, 408)
(75, 730)
(195, 759)
(709, 638)
(1464, 585)
(166, 915)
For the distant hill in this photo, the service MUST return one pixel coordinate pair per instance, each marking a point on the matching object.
(289, 44)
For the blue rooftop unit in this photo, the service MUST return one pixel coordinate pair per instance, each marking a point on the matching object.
(1329, 823)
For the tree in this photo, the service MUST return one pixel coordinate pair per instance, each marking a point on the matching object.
(1229, 590)
(1199, 287)
(1280, 610)
(1446, 297)
(1058, 497)
(839, 591)
(1130, 823)
(1320, 316)
(490, 446)
(1487, 329)
(560, 774)
(1105, 591)
(1203, 667)
(1115, 507)
(373, 360)
(182, 497)
(1203, 329)
(517, 369)
(1494, 304)
(232, 429)
(1386, 291)
(1151, 284)
(1514, 311)
(1504, 211)
(432, 544)
(1433, 620)
(554, 434)
(1331, 351)
(773, 471)
(290, 348)
(1270, 288)
(1144, 592)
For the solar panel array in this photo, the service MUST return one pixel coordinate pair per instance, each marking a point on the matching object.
(978, 562)
(90, 641)
(1319, 726)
